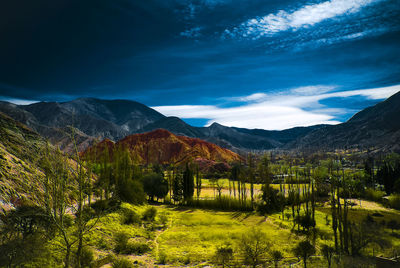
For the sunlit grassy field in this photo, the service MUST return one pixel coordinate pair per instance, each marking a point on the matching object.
(190, 237)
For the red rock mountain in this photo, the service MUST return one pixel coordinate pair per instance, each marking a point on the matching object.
(161, 146)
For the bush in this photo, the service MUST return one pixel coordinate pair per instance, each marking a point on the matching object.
(374, 195)
(131, 191)
(122, 263)
(163, 218)
(130, 217)
(106, 205)
(223, 255)
(394, 201)
(121, 242)
(123, 246)
(137, 248)
(149, 214)
(87, 257)
(162, 258)
(103, 244)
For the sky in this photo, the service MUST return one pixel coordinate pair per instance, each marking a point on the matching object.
(263, 64)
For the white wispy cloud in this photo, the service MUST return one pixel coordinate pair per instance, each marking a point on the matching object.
(298, 107)
(18, 101)
(306, 16)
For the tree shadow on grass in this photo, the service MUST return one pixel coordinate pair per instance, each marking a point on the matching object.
(240, 215)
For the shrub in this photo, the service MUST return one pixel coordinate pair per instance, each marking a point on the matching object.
(103, 244)
(162, 258)
(394, 201)
(223, 255)
(374, 195)
(121, 242)
(149, 214)
(137, 248)
(106, 205)
(123, 246)
(254, 245)
(122, 263)
(131, 191)
(87, 257)
(276, 257)
(130, 217)
(163, 219)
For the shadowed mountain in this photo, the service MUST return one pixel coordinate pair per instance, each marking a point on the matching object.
(176, 126)
(236, 139)
(91, 118)
(163, 147)
(374, 127)
(229, 136)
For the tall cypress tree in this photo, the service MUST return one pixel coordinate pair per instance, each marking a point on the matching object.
(188, 183)
(177, 187)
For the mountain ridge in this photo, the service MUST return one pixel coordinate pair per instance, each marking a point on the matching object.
(95, 119)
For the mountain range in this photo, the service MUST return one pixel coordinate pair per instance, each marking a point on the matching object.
(93, 120)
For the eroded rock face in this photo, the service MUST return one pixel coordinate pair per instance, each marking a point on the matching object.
(163, 147)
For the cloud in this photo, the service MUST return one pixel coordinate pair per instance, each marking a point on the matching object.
(18, 101)
(306, 16)
(279, 111)
(192, 33)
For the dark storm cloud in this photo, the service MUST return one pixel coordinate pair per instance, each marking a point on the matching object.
(196, 51)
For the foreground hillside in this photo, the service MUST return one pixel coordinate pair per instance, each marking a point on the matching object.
(163, 147)
(20, 149)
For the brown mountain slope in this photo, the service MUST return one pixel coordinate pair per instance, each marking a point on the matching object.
(163, 147)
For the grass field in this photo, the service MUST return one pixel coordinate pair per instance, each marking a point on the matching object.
(182, 236)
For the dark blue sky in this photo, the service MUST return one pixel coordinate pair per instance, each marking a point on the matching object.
(245, 63)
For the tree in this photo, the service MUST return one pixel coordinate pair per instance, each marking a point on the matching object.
(327, 252)
(155, 186)
(198, 182)
(276, 256)
(24, 231)
(188, 183)
(304, 250)
(127, 188)
(254, 246)
(177, 188)
(59, 190)
(272, 199)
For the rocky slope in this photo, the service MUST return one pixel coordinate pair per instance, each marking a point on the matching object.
(163, 147)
